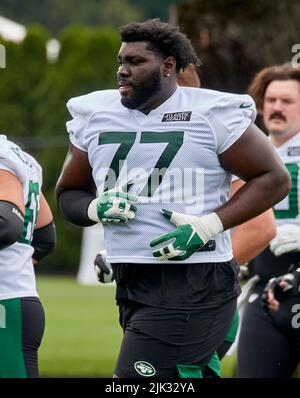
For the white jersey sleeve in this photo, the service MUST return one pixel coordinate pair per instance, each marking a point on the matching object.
(10, 162)
(76, 126)
(229, 118)
(82, 109)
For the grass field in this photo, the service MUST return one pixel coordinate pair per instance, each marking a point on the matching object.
(82, 335)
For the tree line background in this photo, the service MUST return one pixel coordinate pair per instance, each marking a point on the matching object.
(233, 38)
(33, 113)
(56, 14)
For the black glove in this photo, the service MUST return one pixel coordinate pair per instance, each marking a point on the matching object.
(292, 280)
(103, 268)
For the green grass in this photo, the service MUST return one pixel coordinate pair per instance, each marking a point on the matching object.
(228, 366)
(82, 335)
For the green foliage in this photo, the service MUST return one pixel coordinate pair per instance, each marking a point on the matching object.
(87, 62)
(33, 96)
(26, 65)
(156, 9)
(57, 14)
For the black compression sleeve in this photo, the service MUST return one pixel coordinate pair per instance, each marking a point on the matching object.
(11, 223)
(73, 205)
(43, 242)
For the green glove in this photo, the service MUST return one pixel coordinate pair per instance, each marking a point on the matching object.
(191, 234)
(113, 206)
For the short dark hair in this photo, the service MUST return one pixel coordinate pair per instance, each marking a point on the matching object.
(163, 38)
(259, 84)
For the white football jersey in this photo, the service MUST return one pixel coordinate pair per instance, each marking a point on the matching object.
(17, 277)
(288, 210)
(171, 155)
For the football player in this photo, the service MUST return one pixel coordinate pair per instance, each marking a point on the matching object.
(248, 240)
(27, 235)
(269, 342)
(153, 163)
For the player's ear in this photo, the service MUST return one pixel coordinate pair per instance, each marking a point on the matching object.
(169, 66)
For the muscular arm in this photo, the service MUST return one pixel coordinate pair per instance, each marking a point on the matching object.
(11, 189)
(253, 159)
(75, 188)
(76, 173)
(251, 238)
(76, 195)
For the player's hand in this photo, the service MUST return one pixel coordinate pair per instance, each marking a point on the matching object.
(114, 206)
(103, 268)
(269, 302)
(287, 240)
(280, 289)
(187, 238)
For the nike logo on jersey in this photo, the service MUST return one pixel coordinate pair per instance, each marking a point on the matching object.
(209, 247)
(177, 117)
(245, 106)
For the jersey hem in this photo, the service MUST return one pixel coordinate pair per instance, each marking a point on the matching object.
(212, 304)
(18, 295)
(151, 260)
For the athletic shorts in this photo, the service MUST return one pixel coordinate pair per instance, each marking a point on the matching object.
(213, 369)
(170, 343)
(269, 342)
(231, 335)
(22, 325)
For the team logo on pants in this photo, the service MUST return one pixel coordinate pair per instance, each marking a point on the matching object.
(144, 368)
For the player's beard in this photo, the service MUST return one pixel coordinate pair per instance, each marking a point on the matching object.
(143, 92)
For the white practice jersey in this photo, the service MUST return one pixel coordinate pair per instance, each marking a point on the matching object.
(171, 155)
(288, 210)
(17, 277)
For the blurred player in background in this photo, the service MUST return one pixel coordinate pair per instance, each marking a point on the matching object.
(176, 282)
(269, 344)
(27, 235)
